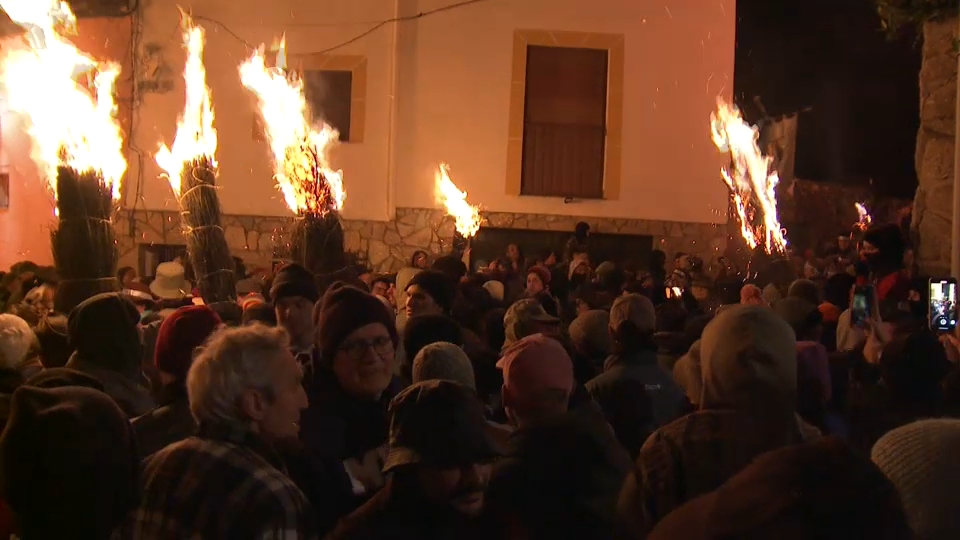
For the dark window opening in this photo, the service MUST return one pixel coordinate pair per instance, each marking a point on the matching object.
(329, 94)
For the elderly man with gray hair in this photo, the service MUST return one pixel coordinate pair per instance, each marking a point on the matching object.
(246, 393)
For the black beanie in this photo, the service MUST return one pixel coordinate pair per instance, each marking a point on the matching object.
(438, 285)
(82, 485)
(103, 329)
(888, 238)
(294, 280)
(344, 310)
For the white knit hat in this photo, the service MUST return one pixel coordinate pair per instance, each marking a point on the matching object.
(15, 340)
(444, 361)
(923, 460)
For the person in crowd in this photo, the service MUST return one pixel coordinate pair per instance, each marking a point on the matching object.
(537, 379)
(806, 290)
(558, 480)
(180, 335)
(170, 285)
(439, 460)
(515, 258)
(920, 459)
(350, 388)
(912, 369)
(578, 243)
(68, 463)
(747, 406)
(423, 330)
(383, 287)
(40, 298)
(257, 311)
(591, 340)
(430, 292)
(836, 300)
(54, 346)
(883, 247)
(105, 335)
(126, 276)
(631, 324)
(245, 391)
(420, 260)
(495, 288)
(444, 361)
(658, 268)
(527, 317)
(822, 489)
(16, 341)
(538, 280)
(294, 293)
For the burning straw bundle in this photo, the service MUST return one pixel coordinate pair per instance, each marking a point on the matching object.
(206, 243)
(317, 241)
(84, 247)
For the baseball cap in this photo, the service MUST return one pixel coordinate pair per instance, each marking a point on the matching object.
(536, 364)
(438, 423)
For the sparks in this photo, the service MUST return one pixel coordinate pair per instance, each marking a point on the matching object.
(196, 136)
(750, 178)
(68, 124)
(299, 148)
(455, 201)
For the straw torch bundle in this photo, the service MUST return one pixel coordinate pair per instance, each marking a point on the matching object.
(309, 186)
(191, 169)
(77, 142)
(83, 243)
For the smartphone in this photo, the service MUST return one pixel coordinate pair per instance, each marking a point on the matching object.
(861, 307)
(673, 292)
(943, 304)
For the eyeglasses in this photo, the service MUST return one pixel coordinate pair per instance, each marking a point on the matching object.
(356, 349)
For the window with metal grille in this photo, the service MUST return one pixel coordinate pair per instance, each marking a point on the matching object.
(330, 95)
(565, 122)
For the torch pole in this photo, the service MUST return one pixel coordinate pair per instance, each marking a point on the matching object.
(206, 242)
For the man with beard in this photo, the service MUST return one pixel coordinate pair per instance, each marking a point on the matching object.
(440, 456)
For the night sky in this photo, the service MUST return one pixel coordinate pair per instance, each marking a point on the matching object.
(832, 56)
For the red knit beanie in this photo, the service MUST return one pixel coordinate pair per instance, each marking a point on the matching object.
(180, 333)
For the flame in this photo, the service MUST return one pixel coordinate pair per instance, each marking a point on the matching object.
(750, 178)
(299, 148)
(863, 217)
(196, 136)
(69, 125)
(467, 216)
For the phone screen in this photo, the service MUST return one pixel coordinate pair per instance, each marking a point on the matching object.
(943, 305)
(860, 308)
(674, 292)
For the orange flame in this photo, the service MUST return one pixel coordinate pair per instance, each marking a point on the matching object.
(299, 148)
(750, 178)
(864, 220)
(455, 201)
(196, 136)
(67, 124)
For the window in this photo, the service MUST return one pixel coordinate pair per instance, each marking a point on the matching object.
(330, 96)
(564, 122)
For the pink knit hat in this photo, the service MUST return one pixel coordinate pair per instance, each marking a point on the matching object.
(536, 364)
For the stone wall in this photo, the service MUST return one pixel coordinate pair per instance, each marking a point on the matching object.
(388, 246)
(932, 212)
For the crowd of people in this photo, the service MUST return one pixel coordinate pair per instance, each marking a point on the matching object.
(534, 398)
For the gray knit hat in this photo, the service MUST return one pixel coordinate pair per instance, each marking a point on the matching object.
(921, 460)
(446, 362)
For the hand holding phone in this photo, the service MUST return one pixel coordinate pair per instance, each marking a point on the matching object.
(942, 304)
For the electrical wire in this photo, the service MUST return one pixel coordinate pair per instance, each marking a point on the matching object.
(358, 37)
